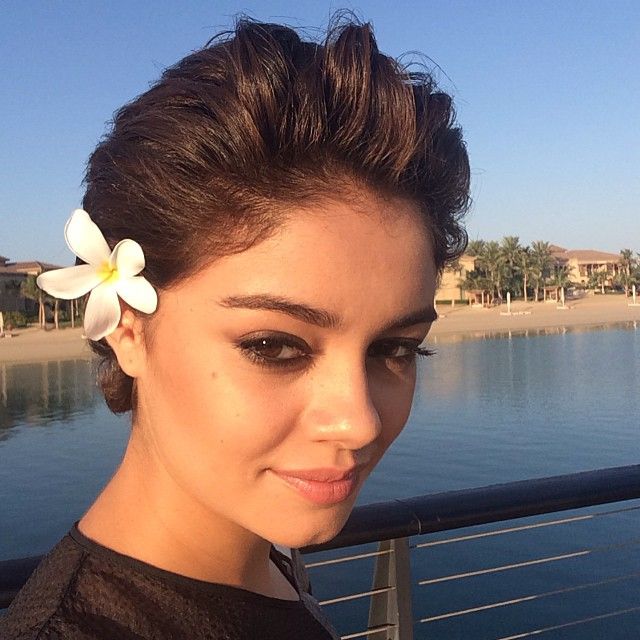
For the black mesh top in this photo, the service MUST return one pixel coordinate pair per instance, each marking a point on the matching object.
(85, 591)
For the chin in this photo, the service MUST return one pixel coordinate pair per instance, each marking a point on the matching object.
(314, 530)
(305, 539)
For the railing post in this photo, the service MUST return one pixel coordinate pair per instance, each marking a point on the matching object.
(393, 607)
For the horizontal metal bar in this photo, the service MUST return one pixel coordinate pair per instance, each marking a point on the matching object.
(530, 598)
(456, 509)
(504, 567)
(526, 527)
(529, 563)
(356, 596)
(500, 532)
(359, 556)
(573, 623)
(371, 631)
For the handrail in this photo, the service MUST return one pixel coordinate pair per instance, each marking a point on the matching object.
(439, 512)
(13, 574)
(430, 513)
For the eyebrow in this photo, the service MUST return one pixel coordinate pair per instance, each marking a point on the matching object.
(267, 302)
(426, 315)
(319, 317)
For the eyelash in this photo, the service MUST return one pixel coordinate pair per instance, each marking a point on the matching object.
(250, 348)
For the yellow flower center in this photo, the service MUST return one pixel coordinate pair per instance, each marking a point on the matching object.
(108, 273)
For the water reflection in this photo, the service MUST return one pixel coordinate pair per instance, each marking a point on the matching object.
(482, 334)
(39, 393)
(516, 368)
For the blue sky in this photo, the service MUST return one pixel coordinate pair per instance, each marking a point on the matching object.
(548, 94)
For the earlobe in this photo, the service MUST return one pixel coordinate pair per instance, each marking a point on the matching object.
(128, 344)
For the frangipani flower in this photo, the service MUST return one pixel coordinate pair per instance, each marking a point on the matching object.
(107, 274)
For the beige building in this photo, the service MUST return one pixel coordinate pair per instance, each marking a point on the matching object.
(11, 280)
(450, 286)
(32, 268)
(12, 275)
(582, 263)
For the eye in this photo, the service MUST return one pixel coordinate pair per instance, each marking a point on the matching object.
(275, 350)
(397, 351)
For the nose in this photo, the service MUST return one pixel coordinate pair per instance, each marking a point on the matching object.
(341, 408)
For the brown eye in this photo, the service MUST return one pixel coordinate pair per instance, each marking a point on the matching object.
(393, 349)
(398, 351)
(276, 350)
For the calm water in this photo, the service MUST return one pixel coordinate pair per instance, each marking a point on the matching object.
(486, 411)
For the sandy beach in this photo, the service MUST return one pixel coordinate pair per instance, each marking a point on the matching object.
(590, 311)
(35, 345)
(454, 323)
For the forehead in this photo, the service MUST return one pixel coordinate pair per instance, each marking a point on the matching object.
(371, 257)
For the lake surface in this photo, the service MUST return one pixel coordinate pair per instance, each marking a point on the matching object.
(486, 411)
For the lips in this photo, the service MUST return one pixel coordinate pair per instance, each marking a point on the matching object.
(321, 486)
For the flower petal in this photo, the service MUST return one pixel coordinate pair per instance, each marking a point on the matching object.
(128, 258)
(71, 282)
(138, 293)
(85, 239)
(102, 314)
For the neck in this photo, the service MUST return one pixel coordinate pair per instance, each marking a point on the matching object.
(144, 513)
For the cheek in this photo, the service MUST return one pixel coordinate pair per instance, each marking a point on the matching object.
(214, 409)
(393, 402)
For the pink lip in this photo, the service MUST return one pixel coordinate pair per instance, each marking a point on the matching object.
(321, 486)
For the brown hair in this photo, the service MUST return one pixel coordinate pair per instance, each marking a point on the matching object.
(259, 120)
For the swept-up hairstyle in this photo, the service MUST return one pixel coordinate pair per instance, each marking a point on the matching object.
(210, 159)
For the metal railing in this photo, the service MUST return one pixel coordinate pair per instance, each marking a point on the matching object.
(392, 593)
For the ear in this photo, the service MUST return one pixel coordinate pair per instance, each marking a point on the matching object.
(127, 342)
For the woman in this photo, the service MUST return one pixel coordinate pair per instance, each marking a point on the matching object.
(264, 232)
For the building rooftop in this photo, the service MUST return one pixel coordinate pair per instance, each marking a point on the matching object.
(586, 255)
(25, 267)
(33, 264)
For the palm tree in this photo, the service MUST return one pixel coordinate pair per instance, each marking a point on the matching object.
(626, 280)
(598, 279)
(561, 279)
(561, 276)
(491, 262)
(475, 281)
(510, 248)
(29, 289)
(475, 247)
(627, 260)
(628, 263)
(523, 264)
(541, 259)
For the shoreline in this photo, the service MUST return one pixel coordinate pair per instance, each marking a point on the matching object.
(35, 345)
(454, 324)
(588, 313)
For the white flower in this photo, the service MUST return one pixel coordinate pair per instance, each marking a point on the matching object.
(107, 274)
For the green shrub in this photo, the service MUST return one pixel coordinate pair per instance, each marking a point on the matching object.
(15, 319)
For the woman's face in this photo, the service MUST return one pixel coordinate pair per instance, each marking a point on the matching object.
(275, 379)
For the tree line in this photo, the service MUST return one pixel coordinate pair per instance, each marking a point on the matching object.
(523, 271)
(71, 311)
